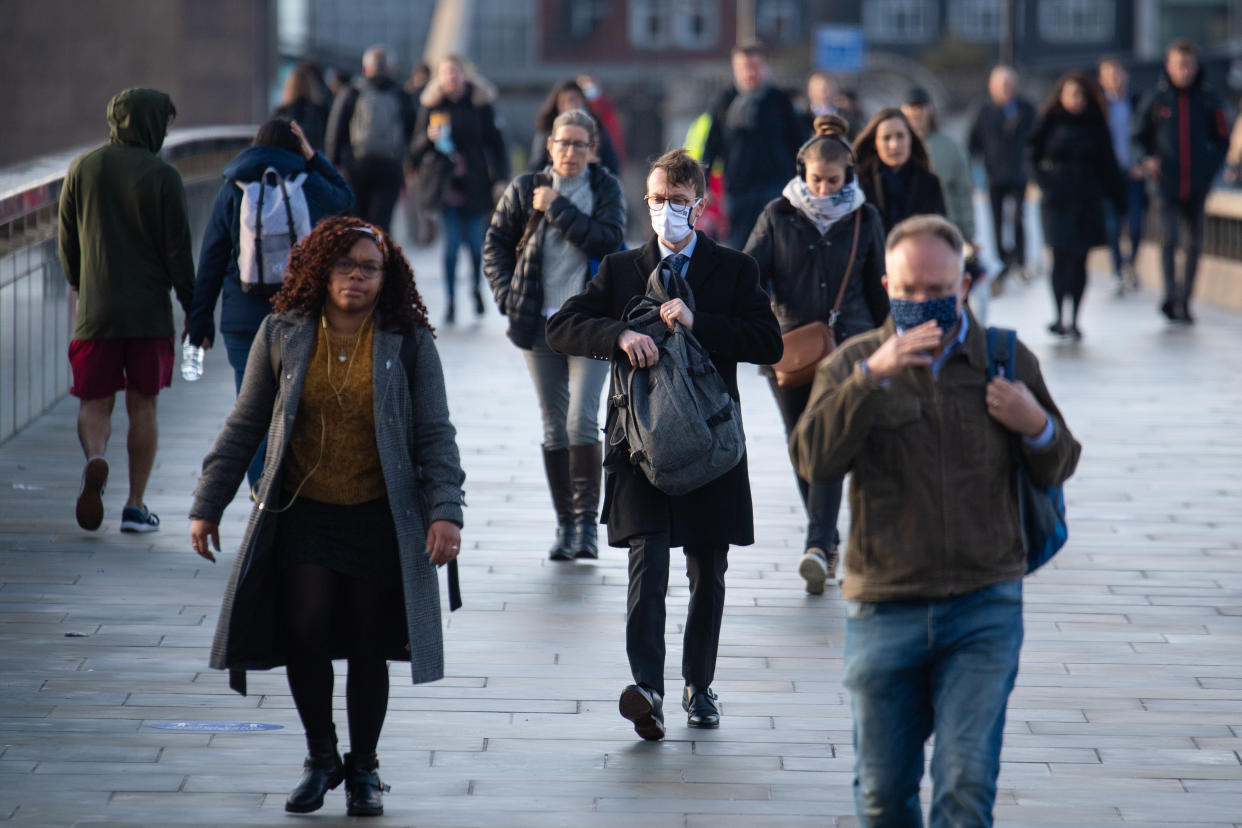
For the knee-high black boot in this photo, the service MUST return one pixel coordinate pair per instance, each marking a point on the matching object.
(585, 468)
(556, 466)
(321, 772)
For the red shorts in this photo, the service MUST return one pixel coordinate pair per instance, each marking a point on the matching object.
(101, 367)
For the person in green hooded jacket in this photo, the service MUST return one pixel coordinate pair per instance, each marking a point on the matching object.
(124, 239)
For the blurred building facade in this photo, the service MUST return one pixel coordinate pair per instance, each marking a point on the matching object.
(63, 59)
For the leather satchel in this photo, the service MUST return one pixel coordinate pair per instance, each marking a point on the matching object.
(806, 346)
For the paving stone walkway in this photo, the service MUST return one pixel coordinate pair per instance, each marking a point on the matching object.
(1128, 709)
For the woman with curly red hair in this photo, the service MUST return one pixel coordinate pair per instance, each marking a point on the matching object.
(359, 501)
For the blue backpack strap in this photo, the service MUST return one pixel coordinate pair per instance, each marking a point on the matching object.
(1002, 352)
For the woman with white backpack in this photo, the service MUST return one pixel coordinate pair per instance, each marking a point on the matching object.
(274, 193)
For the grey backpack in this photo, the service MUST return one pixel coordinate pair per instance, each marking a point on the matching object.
(682, 427)
(376, 129)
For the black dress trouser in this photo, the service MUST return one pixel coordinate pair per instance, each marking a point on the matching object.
(645, 613)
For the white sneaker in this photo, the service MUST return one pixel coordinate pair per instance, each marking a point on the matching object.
(814, 570)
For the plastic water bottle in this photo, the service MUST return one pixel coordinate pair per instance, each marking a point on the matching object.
(191, 362)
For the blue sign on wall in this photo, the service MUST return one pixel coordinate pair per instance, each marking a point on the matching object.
(839, 48)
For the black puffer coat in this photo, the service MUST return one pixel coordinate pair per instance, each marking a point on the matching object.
(517, 280)
(802, 270)
(1074, 166)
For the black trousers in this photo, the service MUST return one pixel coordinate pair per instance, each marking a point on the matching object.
(1069, 280)
(1172, 214)
(999, 193)
(822, 500)
(645, 613)
(376, 184)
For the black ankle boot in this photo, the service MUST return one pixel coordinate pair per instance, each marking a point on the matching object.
(364, 792)
(321, 772)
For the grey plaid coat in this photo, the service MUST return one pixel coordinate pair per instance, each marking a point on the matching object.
(421, 467)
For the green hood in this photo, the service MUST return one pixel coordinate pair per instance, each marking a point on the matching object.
(140, 117)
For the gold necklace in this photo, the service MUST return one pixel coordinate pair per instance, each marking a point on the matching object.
(341, 356)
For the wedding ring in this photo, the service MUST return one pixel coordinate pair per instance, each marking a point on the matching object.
(453, 547)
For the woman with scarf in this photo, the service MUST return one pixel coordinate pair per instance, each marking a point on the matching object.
(894, 170)
(1071, 153)
(803, 242)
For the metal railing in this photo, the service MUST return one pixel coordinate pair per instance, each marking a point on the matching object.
(36, 306)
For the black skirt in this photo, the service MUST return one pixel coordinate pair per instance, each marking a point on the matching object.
(358, 540)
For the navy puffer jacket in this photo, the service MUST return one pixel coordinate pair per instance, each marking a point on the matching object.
(327, 194)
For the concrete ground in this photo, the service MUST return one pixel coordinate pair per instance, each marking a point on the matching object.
(1128, 709)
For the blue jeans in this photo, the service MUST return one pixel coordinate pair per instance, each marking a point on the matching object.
(461, 226)
(920, 668)
(238, 347)
(1136, 209)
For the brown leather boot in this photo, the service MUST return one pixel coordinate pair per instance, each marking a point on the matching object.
(585, 468)
(556, 466)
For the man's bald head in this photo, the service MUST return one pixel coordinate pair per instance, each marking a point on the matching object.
(1003, 84)
(923, 259)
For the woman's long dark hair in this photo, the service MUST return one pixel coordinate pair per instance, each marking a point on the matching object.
(1096, 111)
(400, 308)
(864, 144)
(548, 112)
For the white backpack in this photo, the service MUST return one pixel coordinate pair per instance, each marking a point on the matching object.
(274, 217)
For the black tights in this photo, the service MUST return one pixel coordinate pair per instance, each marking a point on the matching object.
(314, 599)
(1069, 278)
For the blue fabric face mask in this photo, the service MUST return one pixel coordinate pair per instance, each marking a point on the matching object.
(907, 314)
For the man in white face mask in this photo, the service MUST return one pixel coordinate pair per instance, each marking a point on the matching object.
(730, 316)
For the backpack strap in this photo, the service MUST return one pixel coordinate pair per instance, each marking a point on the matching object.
(293, 232)
(409, 358)
(1002, 352)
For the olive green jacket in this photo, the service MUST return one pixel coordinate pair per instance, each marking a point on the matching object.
(933, 509)
(124, 231)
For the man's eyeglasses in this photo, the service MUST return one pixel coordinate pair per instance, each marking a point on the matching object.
(346, 266)
(678, 204)
(576, 146)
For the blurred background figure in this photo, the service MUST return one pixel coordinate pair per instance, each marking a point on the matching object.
(565, 97)
(605, 111)
(823, 95)
(894, 170)
(421, 225)
(368, 130)
(999, 136)
(462, 163)
(757, 134)
(1233, 158)
(306, 100)
(1072, 159)
(948, 160)
(1121, 106)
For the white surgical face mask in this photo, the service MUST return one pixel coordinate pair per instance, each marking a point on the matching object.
(670, 222)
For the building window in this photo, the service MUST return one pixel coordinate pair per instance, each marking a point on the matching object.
(778, 21)
(1206, 23)
(1077, 21)
(683, 24)
(980, 21)
(901, 21)
(585, 15)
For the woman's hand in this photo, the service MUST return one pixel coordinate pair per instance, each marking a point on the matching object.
(443, 541)
(308, 152)
(203, 536)
(543, 198)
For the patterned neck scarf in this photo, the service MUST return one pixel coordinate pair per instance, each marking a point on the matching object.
(824, 211)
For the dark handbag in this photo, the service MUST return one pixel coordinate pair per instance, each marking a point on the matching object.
(806, 346)
(1041, 510)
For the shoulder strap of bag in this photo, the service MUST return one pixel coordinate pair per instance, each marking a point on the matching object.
(1002, 348)
(849, 265)
(293, 233)
(409, 357)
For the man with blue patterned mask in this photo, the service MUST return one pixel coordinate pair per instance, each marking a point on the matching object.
(935, 557)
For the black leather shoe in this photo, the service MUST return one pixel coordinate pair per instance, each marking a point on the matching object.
(321, 772)
(479, 307)
(700, 705)
(562, 548)
(645, 708)
(364, 792)
(1169, 308)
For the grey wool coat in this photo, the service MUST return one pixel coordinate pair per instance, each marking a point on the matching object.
(421, 467)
